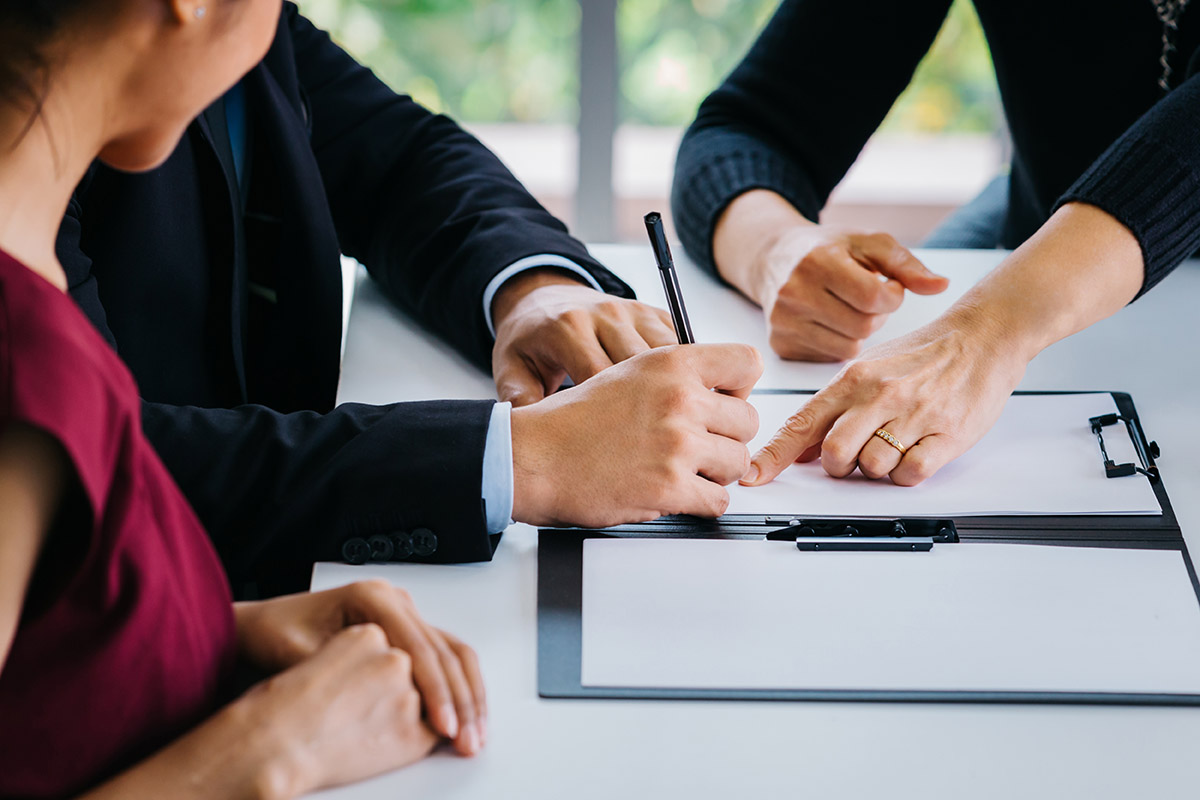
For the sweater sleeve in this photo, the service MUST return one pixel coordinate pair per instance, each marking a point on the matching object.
(795, 114)
(1149, 180)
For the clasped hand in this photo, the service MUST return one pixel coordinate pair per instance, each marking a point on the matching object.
(363, 683)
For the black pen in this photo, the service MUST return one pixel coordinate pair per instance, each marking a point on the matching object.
(666, 270)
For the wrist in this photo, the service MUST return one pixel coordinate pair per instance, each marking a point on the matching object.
(747, 234)
(533, 492)
(997, 335)
(273, 768)
(1080, 267)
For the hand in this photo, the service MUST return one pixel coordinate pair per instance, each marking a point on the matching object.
(276, 634)
(938, 390)
(348, 712)
(550, 326)
(640, 440)
(825, 292)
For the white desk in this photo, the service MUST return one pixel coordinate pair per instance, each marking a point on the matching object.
(600, 749)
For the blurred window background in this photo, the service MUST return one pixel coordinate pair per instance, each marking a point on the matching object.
(585, 100)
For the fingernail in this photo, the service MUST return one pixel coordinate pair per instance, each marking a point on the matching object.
(751, 474)
(471, 734)
(449, 720)
(482, 731)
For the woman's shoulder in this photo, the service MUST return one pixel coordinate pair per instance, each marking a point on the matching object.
(58, 374)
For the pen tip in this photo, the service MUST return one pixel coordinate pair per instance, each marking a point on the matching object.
(652, 217)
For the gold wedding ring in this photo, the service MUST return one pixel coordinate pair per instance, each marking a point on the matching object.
(892, 440)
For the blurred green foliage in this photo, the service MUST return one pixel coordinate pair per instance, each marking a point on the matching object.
(516, 60)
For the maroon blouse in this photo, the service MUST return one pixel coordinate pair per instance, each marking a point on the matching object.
(127, 634)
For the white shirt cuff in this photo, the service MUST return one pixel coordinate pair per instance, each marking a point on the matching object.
(497, 488)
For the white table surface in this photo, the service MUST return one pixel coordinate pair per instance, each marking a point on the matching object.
(601, 749)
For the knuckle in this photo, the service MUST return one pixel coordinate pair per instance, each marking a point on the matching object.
(872, 465)
(752, 420)
(611, 307)
(786, 345)
(750, 355)
(872, 293)
(863, 325)
(396, 662)
(572, 320)
(368, 635)
(793, 300)
(662, 360)
(856, 375)
(466, 654)
(918, 468)
(676, 398)
(660, 495)
(798, 425)
(408, 704)
(677, 442)
(838, 451)
(372, 589)
(743, 463)
(884, 240)
(719, 503)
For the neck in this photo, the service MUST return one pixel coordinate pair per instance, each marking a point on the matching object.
(40, 169)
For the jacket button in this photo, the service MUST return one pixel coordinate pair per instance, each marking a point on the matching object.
(381, 547)
(402, 545)
(424, 542)
(355, 550)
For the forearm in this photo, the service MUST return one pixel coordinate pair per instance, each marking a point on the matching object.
(1080, 267)
(232, 755)
(746, 232)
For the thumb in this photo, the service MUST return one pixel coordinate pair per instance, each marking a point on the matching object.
(518, 383)
(893, 260)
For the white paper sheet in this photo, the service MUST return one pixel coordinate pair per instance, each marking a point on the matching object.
(752, 614)
(1040, 458)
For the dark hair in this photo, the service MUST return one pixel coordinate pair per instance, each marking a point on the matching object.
(26, 26)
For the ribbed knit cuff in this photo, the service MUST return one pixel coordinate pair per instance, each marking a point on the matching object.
(714, 168)
(1148, 188)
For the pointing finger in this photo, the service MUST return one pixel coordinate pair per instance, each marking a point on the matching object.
(803, 430)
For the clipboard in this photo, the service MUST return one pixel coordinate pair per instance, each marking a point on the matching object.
(561, 569)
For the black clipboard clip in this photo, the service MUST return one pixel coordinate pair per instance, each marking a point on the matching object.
(897, 535)
(1146, 451)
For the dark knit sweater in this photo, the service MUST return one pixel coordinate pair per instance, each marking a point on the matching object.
(1078, 79)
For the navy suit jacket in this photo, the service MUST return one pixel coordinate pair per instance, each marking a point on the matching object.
(173, 266)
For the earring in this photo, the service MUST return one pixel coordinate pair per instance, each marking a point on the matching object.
(200, 12)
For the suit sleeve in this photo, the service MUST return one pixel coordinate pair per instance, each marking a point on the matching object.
(795, 114)
(430, 211)
(277, 492)
(280, 491)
